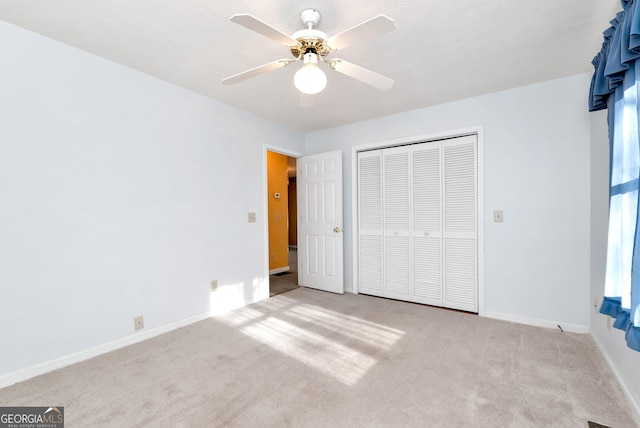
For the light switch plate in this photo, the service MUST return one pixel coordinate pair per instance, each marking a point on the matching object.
(497, 216)
(252, 217)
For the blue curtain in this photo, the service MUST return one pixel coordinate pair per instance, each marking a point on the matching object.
(615, 86)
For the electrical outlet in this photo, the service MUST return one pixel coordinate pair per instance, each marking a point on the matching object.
(138, 323)
(252, 217)
(214, 285)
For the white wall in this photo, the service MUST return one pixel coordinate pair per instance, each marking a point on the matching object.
(622, 360)
(536, 164)
(121, 195)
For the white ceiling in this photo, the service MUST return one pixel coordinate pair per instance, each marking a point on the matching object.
(441, 50)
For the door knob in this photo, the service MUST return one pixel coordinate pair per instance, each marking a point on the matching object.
(337, 229)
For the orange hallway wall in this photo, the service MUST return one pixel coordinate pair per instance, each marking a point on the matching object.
(278, 210)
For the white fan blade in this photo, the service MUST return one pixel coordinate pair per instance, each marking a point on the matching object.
(379, 25)
(362, 74)
(236, 78)
(254, 24)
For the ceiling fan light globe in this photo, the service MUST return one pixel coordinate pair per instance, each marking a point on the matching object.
(310, 79)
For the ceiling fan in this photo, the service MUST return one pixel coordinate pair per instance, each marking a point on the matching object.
(312, 47)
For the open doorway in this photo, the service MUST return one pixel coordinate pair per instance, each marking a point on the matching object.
(282, 223)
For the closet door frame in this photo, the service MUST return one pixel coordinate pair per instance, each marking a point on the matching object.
(425, 138)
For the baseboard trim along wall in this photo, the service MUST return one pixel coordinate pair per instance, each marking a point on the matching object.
(635, 406)
(28, 373)
(279, 270)
(573, 328)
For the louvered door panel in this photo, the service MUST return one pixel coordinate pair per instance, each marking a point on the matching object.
(460, 223)
(396, 267)
(370, 223)
(426, 230)
(370, 191)
(370, 278)
(460, 186)
(396, 190)
(460, 289)
(427, 272)
(426, 188)
(396, 209)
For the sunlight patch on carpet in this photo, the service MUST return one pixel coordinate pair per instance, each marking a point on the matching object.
(345, 364)
(336, 344)
(237, 318)
(372, 334)
(282, 302)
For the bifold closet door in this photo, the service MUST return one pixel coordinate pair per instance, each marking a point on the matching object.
(370, 223)
(396, 208)
(426, 199)
(460, 278)
(417, 216)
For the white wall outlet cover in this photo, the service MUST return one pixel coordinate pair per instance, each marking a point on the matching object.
(138, 322)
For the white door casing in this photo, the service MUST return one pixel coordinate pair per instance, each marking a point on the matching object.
(320, 224)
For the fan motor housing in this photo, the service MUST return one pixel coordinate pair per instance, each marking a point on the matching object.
(309, 38)
(306, 44)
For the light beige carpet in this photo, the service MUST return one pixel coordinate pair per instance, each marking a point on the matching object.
(312, 359)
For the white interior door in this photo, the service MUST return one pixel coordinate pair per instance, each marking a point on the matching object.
(320, 225)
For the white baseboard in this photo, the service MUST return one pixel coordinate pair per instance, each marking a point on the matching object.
(28, 373)
(573, 328)
(635, 406)
(282, 269)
